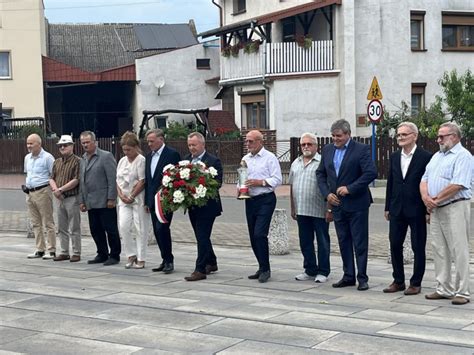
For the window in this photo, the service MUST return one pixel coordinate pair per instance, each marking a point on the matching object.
(458, 31)
(203, 63)
(417, 30)
(7, 113)
(417, 97)
(239, 6)
(160, 121)
(254, 111)
(5, 68)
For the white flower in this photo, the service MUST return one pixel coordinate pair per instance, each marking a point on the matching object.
(178, 196)
(184, 173)
(184, 162)
(201, 164)
(201, 191)
(166, 180)
(213, 171)
(167, 167)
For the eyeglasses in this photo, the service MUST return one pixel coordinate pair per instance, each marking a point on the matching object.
(63, 146)
(403, 135)
(306, 144)
(442, 136)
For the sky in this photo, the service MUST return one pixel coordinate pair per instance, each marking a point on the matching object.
(204, 13)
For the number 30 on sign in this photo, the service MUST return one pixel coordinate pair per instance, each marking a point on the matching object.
(375, 111)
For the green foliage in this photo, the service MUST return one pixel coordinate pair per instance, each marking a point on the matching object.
(457, 99)
(227, 134)
(176, 130)
(24, 131)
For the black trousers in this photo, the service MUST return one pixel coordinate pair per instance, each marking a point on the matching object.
(259, 212)
(103, 226)
(397, 233)
(202, 231)
(352, 230)
(163, 236)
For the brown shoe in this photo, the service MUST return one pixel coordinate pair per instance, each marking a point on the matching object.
(394, 287)
(61, 257)
(211, 268)
(436, 296)
(412, 290)
(75, 258)
(196, 276)
(459, 301)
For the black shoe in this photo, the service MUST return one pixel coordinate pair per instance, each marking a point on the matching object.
(211, 268)
(159, 268)
(255, 276)
(343, 283)
(111, 261)
(363, 286)
(264, 276)
(96, 260)
(168, 268)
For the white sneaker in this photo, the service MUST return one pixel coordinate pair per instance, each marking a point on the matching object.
(303, 277)
(320, 279)
(49, 256)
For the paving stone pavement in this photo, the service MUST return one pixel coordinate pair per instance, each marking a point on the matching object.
(75, 308)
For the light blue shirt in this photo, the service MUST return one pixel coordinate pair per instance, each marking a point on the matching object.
(454, 167)
(155, 157)
(38, 169)
(339, 156)
(263, 166)
(307, 197)
(198, 158)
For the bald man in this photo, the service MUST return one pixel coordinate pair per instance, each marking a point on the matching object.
(38, 167)
(264, 176)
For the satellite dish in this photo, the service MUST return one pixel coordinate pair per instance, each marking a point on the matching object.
(159, 83)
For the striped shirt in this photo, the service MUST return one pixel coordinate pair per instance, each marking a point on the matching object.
(454, 167)
(65, 170)
(307, 198)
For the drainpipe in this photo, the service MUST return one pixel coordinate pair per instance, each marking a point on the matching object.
(220, 11)
(264, 83)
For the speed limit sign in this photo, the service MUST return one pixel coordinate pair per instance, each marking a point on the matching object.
(375, 111)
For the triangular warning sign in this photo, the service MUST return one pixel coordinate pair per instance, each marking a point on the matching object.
(375, 93)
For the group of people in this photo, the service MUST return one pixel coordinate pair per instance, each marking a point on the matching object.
(329, 187)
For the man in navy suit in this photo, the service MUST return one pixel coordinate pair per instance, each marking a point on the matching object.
(159, 156)
(404, 207)
(344, 175)
(202, 218)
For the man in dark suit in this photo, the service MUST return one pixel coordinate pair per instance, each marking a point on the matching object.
(404, 207)
(98, 196)
(202, 218)
(344, 175)
(159, 156)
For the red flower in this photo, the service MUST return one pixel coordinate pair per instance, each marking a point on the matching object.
(201, 180)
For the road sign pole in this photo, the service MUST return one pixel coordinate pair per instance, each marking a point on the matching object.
(373, 147)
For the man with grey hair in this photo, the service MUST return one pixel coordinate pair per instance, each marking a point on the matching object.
(98, 196)
(308, 208)
(404, 208)
(38, 166)
(446, 190)
(344, 175)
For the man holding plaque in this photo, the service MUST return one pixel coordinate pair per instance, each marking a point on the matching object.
(264, 175)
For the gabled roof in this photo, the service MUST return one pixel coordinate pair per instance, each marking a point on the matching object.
(98, 47)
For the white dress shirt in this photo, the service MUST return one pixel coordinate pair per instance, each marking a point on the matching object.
(405, 160)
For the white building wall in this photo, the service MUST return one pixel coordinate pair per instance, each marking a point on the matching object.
(185, 86)
(382, 42)
(22, 33)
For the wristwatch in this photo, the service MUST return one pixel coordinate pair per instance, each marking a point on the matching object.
(264, 183)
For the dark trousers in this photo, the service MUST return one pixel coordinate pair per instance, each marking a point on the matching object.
(163, 236)
(398, 230)
(259, 212)
(103, 226)
(352, 230)
(307, 227)
(202, 231)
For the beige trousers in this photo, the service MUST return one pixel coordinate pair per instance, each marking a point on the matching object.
(450, 240)
(40, 209)
(69, 224)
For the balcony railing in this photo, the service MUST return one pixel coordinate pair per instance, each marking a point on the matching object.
(278, 59)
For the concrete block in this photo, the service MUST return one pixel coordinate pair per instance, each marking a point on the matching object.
(278, 239)
(263, 348)
(11, 334)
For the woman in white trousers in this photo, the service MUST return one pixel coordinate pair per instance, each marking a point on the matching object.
(131, 209)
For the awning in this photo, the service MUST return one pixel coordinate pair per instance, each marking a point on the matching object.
(296, 10)
(242, 25)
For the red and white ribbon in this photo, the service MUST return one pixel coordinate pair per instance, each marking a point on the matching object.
(158, 209)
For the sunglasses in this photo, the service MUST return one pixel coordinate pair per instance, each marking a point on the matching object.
(306, 144)
(63, 145)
